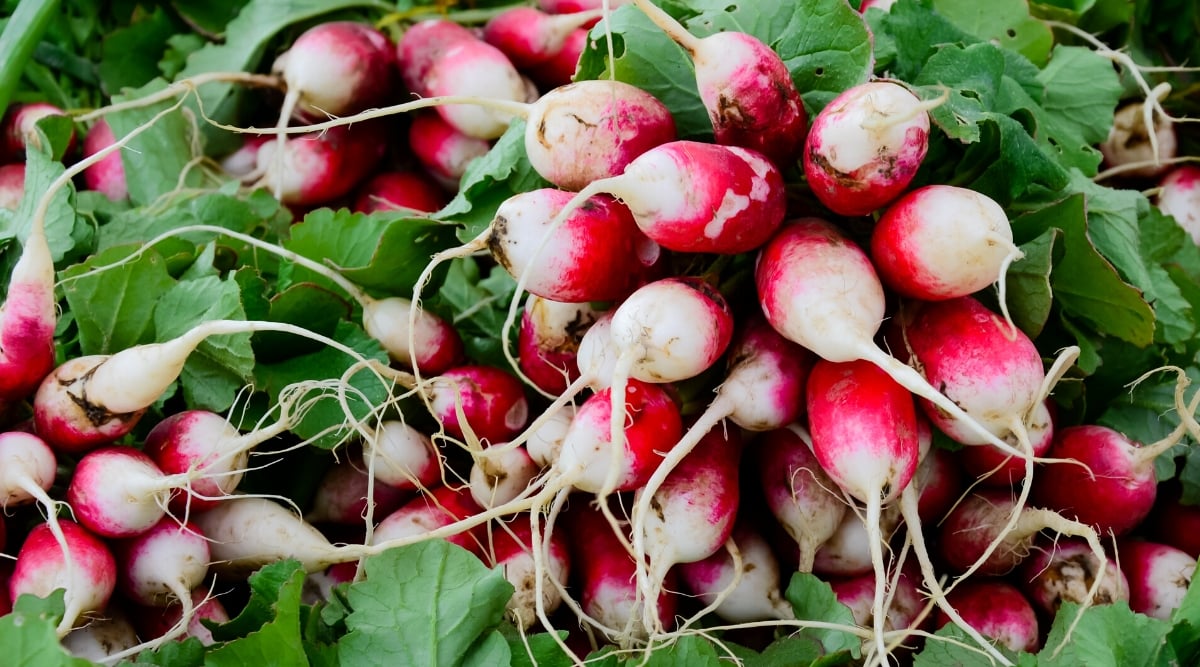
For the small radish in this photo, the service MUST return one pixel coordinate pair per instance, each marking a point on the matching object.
(1110, 484)
(156, 622)
(1069, 571)
(545, 442)
(402, 457)
(818, 289)
(438, 509)
(560, 68)
(85, 569)
(1159, 577)
(442, 150)
(12, 185)
(320, 167)
(19, 128)
(798, 491)
(242, 163)
(529, 36)
(548, 341)
(433, 344)
(496, 480)
(28, 317)
(119, 492)
(939, 482)
(753, 591)
(27, 472)
(864, 434)
(999, 611)
(994, 468)
(491, 403)
(941, 242)
(248, 532)
(393, 190)
(341, 495)
(1179, 197)
(690, 515)
(1131, 142)
(336, 68)
(422, 46)
(102, 638)
(163, 564)
(108, 175)
(471, 68)
(903, 613)
(512, 551)
(745, 86)
(865, 146)
(847, 553)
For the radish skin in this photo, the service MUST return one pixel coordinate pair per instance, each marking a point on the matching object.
(997, 610)
(86, 570)
(753, 589)
(1159, 577)
(798, 491)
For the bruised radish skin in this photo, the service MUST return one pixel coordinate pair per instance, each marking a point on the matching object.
(1113, 493)
(755, 595)
(341, 495)
(88, 574)
(102, 637)
(108, 175)
(799, 492)
(118, 492)
(989, 369)
(491, 400)
(597, 255)
(512, 551)
(745, 87)
(589, 130)
(1128, 142)
(1159, 577)
(12, 185)
(338, 68)
(442, 150)
(548, 341)
(1065, 571)
(72, 424)
(941, 242)
(998, 610)
(865, 147)
(398, 190)
(1179, 197)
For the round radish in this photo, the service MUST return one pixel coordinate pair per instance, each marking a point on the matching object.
(1159, 577)
(998, 610)
(86, 570)
(393, 190)
(1179, 197)
(798, 492)
(443, 150)
(492, 403)
(753, 591)
(108, 175)
(337, 68)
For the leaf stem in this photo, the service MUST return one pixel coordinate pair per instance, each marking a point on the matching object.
(21, 35)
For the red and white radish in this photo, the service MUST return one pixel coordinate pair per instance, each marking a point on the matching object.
(997, 610)
(745, 590)
(108, 175)
(102, 638)
(318, 168)
(1179, 197)
(1159, 577)
(336, 68)
(119, 492)
(548, 342)
(81, 565)
(1070, 571)
(443, 150)
(400, 190)
(341, 495)
(865, 146)
(12, 185)
(19, 128)
(487, 402)
(530, 36)
(439, 508)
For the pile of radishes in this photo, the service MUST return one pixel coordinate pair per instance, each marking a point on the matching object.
(666, 448)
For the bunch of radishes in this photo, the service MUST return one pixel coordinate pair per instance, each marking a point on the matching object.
(618, 504)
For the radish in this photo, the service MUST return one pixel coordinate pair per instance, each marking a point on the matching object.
(992, 371)
(442, 150)
(320, 167)
(486, 402)
(689, 515)
(440, 508)
(941, 242)
(1132, 142)
(998, 610)
(572, 6)
(560, 68)
(512, 550)
(500, 479)
(29, 315)
(994, 468)
(12, 185)
(1179, 197)
(422, 46)
(529, 36)
(163, 564)
(102, 638)
(904, 612)
(119, 492)
(798, 491)
(248, 532)
(847, 553)
(545, 442)
(865, 146)
(20, 127)
(939, 482)
(745, 86)
(745, 589)
(157, 622)
(402, 457)
(884, 5)
(597, 255)
(400, 190)
(242, 163)
(74, 560)
(27, 472)
(108, 175)
(341, 496)
(548, 342)
(864, 435)
(818, 289)
(1109, 484)
(1069, 571)
(1159, 577)
(336, 68)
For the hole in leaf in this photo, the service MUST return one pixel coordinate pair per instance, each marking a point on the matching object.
(969, 94)
(1011, 33)
(731, 9)
(820, 71)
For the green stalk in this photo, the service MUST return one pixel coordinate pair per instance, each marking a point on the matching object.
(20, 37)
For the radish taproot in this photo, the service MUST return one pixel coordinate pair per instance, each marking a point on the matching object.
(798, 491)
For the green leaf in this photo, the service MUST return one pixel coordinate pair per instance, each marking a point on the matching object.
(158, 160)
(972, 75)
(1007, 164)
(477, 306)
(131, 53)
(1146, 413)
(539, 650)
(303, 304)
(221, 209)
(186, 653)
(1085, 284)
(60, 222)
(1028, 285)
(1184, 637)
(491, 650)
(687, 651)
(221, 365)
(423, 604)
(326, 422)
(1081, 93)
(1108, 635)
(28, 636)
(1006, 21)
(824, 43)
(913, 31)
(114, 308)
(267, 632)
(814, 599)
(246, 40)
(384, 251)
(489, 180)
